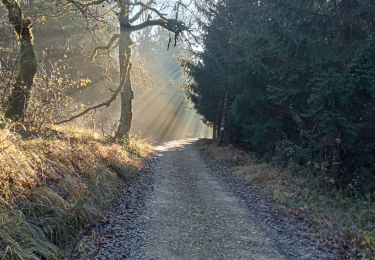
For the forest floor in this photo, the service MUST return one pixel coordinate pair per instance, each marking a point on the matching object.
(186, 206)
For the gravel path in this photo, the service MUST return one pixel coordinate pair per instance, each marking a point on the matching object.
(186, 207)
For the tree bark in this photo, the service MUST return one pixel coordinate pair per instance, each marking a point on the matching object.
(20, 95)
(336, 160)
(127, 94)
(217, 122)
(223, 140)
(214, 131)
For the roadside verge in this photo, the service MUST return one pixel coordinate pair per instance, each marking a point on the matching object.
(345, 223)
(55, 182)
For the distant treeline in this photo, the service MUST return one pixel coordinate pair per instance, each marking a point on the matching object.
(293, 81)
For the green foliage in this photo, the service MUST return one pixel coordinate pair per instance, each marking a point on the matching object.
(301, 81)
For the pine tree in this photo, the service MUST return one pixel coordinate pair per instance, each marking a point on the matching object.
(299, 76)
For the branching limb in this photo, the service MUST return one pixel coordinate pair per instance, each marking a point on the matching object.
(85, 4)
(169, 24)
(143, 9)
(104, 104)
(150, 8)
(105, 47)
(173, 25)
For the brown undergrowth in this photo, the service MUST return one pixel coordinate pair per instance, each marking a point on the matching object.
(346, 222)
(54, 183)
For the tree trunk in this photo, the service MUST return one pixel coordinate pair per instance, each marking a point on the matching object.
(20, 95)
(336, 160)
(223, 140)
(347, 23)
(127, 95)
(126, 117)
(214, 131)
(217, 122)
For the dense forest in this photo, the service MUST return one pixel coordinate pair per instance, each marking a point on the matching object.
(292, 81)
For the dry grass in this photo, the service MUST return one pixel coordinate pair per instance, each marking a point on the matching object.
(348, 223)
(53, 184)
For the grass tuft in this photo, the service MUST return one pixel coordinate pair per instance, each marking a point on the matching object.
(56, 182)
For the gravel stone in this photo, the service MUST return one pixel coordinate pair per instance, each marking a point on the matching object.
(185, 206)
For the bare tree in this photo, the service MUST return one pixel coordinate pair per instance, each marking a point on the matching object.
(133, 16)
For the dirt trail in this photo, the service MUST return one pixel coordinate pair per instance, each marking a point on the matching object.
(182, 208)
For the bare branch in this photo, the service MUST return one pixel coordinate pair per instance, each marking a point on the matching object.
(104, 104)
(84, 6)
(143, 9)
(169, 24)
(105, 47)
(150, 8)
(80, 4)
